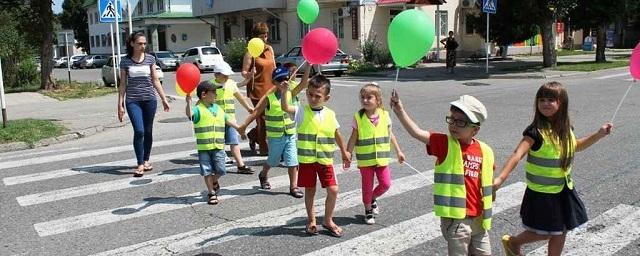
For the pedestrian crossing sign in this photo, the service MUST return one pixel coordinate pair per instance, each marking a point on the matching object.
(489, 6)
(107, 10)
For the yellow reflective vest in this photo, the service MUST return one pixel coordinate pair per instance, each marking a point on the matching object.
(543, 171)
(209, 130)
(277, 121)
(225, 98)
(373, 145)
(449, 190)
(316, 137)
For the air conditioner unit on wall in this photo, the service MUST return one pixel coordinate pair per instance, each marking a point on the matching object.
(467, 3)
(344, 12)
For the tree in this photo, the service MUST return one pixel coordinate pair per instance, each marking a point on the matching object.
(75, 17)
(545, 13)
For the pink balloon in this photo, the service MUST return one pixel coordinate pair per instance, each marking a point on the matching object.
(319, 46)
(188, 77)
(634, 63)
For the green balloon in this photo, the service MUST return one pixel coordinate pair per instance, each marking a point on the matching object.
(308, 11)
(410, 36)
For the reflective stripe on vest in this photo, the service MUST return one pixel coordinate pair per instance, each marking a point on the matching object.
(450, 194)
(372, 146)
(277, 121)
(209, 130)
(225, 97)
(544, 173)
(316, 139)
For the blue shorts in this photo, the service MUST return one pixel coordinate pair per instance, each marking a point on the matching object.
(231, 136)
(212, 162)
(285, 148)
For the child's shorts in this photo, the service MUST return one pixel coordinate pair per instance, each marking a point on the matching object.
(212, 162)
(283, 148)
(465, 236)
(231, 136)
(307, 174)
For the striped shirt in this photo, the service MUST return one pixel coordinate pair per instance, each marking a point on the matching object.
(139, 83)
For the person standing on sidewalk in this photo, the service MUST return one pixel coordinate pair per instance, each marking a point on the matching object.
(258, 72)
(140, 84)
(450, 44)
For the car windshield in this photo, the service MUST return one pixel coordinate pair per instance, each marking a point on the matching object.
(165, 55)
(210, 51)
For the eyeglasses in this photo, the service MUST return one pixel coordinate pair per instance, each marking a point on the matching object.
(459, 122)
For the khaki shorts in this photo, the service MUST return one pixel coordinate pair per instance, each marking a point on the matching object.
(465, 236)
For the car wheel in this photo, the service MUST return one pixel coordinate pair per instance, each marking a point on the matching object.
(338, 73)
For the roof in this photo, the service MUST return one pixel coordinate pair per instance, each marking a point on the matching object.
(88, 3)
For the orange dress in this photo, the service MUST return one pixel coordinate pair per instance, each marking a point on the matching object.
(257, 88)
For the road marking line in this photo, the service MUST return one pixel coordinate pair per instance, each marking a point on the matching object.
(404, 235)
(88, 153)
(232, 230)
(604, 235)
(114, 185)
(612, 76)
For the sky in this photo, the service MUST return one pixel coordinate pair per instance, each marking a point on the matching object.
(57, 6)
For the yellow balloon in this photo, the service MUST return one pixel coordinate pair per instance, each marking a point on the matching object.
(255, 47)
(179, 90)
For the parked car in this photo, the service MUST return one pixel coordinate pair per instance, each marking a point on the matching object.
(168, 59)
(58, 62)
(73, 59)
(76, 63)
(204, 57)
(338, 65)
(107, 72)
(94, 61)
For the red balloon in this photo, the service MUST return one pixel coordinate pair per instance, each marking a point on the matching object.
(188, 77)
(319, 46)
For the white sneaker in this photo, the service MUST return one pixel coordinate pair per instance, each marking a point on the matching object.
(368, 217)
(374, 207)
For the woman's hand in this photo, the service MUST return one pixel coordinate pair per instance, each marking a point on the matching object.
(120, 113)
(165, 104)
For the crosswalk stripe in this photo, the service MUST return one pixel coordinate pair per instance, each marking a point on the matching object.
(114, 185)
(612, 76)
(604, 235)
(199, 238)
(95, 168)
(17, 154)
(88, 153)
(404, 235)
(147, 208)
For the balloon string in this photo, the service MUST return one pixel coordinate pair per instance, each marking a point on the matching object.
(296, 71)
(397, 73)
(416, 170)
(621, 100)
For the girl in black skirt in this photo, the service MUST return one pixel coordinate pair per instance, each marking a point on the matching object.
(550, 206)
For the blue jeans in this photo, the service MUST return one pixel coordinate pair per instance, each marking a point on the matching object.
(141, 114)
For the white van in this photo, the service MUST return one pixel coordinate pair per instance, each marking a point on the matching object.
(202, 56)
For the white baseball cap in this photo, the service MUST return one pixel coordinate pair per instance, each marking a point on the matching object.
(222, 67)
(472, 107)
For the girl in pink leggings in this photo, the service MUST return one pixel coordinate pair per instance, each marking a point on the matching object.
(372, 139)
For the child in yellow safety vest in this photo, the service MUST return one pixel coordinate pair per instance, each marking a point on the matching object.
(372, 138)
(209, 121)
(281, 132)
(228, 93)
(463, 175)
(317, 137)
(550, 206)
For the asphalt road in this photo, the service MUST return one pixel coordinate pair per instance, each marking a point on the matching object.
(78, 198)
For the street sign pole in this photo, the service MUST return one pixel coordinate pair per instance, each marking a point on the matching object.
(487, 45)
(3, 101)
(117, 66)
(489, 7)
(113, 58)
(66, 46)
(129, 13)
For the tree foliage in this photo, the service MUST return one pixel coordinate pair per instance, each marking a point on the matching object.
(511, 24)
(74, 17)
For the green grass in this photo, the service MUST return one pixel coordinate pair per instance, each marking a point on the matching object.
(29, 131)
(33, 87)
(78, 90)
(574, 52)
(590, 65)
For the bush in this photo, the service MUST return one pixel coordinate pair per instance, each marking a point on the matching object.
(361, 66)
(236, 49)
(382, 57)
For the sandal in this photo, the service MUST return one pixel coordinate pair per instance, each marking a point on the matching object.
(138, 173)
(296, 192)
(216, 187)
(264, 183)
(334, 231)
(148, 167)
(505, 246)
(311, 229)
(245, 170)
(213, 199)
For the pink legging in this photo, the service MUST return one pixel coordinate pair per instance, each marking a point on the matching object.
(384, 182)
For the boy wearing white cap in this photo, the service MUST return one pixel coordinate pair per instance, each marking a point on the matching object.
(463, 175)
(227, 91)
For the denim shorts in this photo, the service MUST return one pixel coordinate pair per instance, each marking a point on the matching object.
(231, 136)
(283, 148)
(212, 162)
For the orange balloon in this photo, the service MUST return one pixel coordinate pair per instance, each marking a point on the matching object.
(179, 90)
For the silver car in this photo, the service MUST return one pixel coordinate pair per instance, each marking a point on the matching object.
(338, 65)
(169, 59)
(107, 73)
(94, 61)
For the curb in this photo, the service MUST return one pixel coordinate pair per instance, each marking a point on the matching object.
(73, 135)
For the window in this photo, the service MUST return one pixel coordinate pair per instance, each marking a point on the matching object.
(338, 24)
(248, 27)
(150, 4)
(97, 41)
(295, 52)
(226, 27)
(160, 5)
(304, 29)
(93, 42)
(274, 29)
(90, 18)
(139, 7)
(470, 22)
(108, 39)
(95, 18)
(393, 14)
(123, 38)
(443, 19)
(103, 38)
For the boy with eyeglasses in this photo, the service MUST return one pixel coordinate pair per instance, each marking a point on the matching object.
(463, 174)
